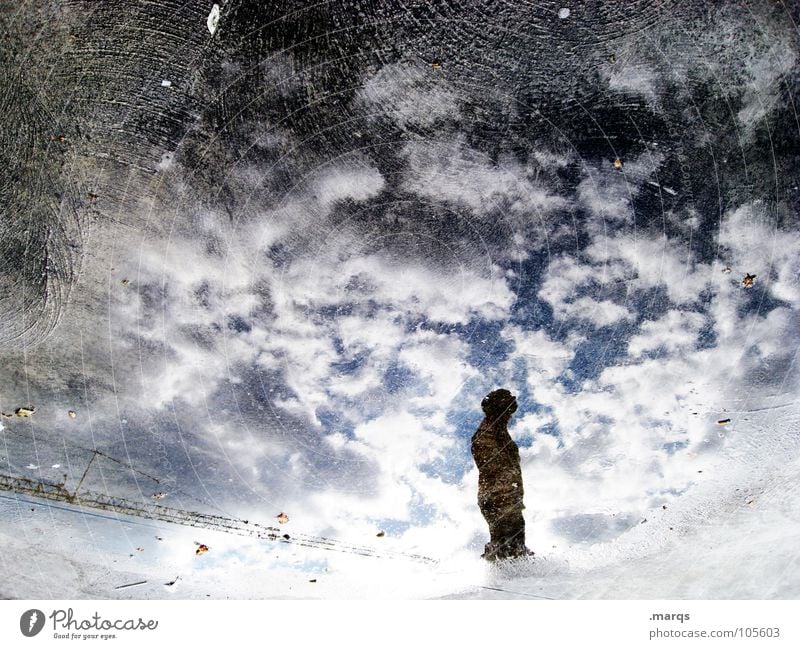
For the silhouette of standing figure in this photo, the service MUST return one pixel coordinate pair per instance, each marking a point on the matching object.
(500, 478)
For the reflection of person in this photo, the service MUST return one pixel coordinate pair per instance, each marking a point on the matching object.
(500, 478)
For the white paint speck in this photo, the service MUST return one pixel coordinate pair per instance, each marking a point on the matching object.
(213, 19)
(563, 13)
(56, 466)
(166, 83)
(165, 162)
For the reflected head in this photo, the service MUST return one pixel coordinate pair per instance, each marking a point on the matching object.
(500, 403)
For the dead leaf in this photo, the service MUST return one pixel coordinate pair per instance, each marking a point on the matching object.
(381, 534)
(748, 280)
(617, 164)
(25, 412)
(201, 549)
(282, 518)
(723, 422)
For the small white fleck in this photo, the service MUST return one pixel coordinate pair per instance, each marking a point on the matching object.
(165, 162)
(563, 13)
(166, 83)
(213, 19)
(56, 466)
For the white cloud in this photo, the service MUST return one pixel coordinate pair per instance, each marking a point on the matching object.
(397, 442)
(406, 286)
(411, 95)
(634, 77)
(184, 290)
(607, 193)
(613, 431)
(759, 65)
(755, 245)
(450, 171)
(338, 184)
(675, 330)
(643, 427)
(601, 313)
(541, 354)
(378, 335)
(565, 279)
(439, 361)
(647, 262)
(743, 55)
(530, 424)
